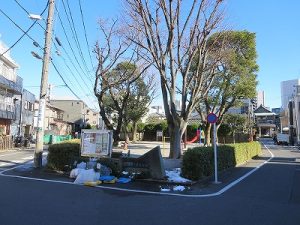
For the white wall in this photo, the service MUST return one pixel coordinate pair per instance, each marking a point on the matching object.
(288, 90)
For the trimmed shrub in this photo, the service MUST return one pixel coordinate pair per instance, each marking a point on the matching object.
(199, 162)
(61, 156)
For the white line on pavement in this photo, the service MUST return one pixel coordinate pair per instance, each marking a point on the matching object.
(13, 153)
(5, 164)
(28, 158)
(226, 188)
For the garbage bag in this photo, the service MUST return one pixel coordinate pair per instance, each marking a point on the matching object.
(86, 175)
(81, 165)
(74, 172)
(123, 180)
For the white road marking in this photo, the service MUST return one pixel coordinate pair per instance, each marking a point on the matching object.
(28, 158)
(13, 153)
(226, 188)
(5, 164)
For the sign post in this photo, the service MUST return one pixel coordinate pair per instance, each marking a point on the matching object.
(212, 118)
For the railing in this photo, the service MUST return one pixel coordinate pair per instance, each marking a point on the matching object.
(6, 142)
(265, 121)
(7, 107)
(9, 84)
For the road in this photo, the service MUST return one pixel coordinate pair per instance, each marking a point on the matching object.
(270, 196)
(13, 158)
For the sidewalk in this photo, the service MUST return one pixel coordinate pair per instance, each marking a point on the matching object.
(205, 187)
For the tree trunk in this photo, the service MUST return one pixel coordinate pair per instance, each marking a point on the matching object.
(116, 137)
(233, 136)
(126, 136)
(207, 134)
(175, 141)
(134, 131)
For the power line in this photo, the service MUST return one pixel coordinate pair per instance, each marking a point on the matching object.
(85, 33)
(68, 86)
(23, 8)
(25, 33)
(28, 13)
(81, 88)
(57, 49)
(68, 41)
(26, 30)
(36, 41)
(76, 36)
(19, 38)
(64, 81)
(74, 32)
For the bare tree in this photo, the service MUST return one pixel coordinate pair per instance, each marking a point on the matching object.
(113, 77)
(172, 34)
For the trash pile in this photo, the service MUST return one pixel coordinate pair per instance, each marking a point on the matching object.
(93, 174)
(174, 176)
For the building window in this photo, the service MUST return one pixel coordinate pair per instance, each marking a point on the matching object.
(26, 105)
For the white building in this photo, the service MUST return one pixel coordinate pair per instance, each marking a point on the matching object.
(260, 98)
(288, 91)
(10, 85)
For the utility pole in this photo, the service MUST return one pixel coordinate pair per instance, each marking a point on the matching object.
(49, 92)
(43, 91)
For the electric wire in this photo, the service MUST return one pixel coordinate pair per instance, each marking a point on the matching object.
(20, 38)
(74, 33)
(40, 48)
(76, 59)
(85, 33)
(54, 66)
(58, 50)
(69, 43)
(23, 8)
(26, 33)
(76, 37)
(70, 59)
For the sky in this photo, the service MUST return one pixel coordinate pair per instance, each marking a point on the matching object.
(276, 24)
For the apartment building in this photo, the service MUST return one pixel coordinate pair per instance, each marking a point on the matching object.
(78, 113)
(10, 85)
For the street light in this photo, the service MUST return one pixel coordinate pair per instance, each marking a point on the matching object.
(35, 17)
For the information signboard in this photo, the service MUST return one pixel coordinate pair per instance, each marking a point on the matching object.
(96, 143)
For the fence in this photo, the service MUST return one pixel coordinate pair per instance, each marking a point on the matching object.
(6, 142)
(51, 139)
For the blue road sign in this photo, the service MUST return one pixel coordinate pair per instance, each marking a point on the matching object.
(212, 118)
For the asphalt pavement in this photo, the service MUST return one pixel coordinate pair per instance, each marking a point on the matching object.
(270, 195)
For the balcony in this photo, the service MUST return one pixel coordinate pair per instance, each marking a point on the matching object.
(7, 111)
(15, 87)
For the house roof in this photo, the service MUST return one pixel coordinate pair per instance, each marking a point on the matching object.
(262, 109)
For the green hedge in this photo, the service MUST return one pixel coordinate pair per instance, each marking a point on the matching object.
(199, 162)
(61, 156)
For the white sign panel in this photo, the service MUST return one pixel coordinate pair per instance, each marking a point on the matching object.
(96, 143)
(159, 133)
